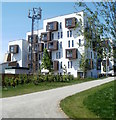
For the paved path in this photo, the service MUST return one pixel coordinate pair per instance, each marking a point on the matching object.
(44, 104)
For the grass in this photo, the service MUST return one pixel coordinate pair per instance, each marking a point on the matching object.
(30, 88)
(97, 102)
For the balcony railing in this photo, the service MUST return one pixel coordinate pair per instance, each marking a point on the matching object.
(14, 49)
(52, 26)
(33, 39)
(71, 53)
(53, 45)
(46, 36)
(70, 22)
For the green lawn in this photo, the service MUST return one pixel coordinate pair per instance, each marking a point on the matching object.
(97, 102)
(30, 88)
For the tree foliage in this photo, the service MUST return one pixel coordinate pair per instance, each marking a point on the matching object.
(46, 61)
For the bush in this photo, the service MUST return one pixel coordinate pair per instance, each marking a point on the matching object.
(16, 80)
(6, 82)
(21, 79)
(35, 79)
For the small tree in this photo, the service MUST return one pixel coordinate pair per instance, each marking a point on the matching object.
(46, 61)
(84, 64)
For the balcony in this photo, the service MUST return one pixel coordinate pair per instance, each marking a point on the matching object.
(13, 64)
(70, 22)
(14, 49)
(71, 53)
(34, 40)
(52, 26)
(40, 47)
(55, 65)
(46, 36)
(53, 45)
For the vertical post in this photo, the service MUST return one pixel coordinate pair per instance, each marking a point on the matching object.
(34, 14)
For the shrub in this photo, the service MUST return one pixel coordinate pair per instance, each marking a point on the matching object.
(21, 79)
(16, 80)
(51, 78)
(6, 82)
(35, 79)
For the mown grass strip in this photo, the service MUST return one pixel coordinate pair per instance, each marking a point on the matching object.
(83, 105)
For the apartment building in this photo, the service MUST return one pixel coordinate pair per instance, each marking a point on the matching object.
(64, 43)
(108, 64)
(15, 60)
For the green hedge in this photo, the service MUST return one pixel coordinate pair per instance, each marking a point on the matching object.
(35, 79)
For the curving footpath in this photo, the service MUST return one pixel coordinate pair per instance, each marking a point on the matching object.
(44, 104)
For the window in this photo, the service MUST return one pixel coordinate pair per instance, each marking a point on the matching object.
(69, 64)
(72, 43)
(79, 42)
(12, 49)
(39, 65)
(52, 36)
(60, 45)
(29, 48)
(39, 56)
(60, 25)
(45, 45)
(70, 33)
(58, 35)
(68, 43)
(91, 54)
(67, 33)
(61, 34)
(61, 65)
(69, 22)
(57, 55)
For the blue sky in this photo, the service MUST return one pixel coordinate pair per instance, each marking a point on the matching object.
(15, 22)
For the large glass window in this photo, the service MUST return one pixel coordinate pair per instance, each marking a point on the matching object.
(69, 53)
(69, 22)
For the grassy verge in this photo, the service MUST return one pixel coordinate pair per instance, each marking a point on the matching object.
(97, 102)
(30, 88)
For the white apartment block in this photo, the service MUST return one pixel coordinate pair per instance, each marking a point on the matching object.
(64, 44)
(15, 61)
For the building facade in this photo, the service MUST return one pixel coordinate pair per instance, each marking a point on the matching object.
(15, 60)
(65, 45)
